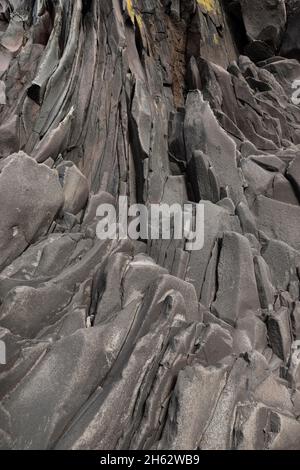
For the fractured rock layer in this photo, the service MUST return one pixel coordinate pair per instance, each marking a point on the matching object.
(123, 344)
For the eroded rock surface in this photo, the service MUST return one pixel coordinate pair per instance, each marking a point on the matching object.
(123, 344)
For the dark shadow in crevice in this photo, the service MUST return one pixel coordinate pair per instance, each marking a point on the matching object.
(236, 23)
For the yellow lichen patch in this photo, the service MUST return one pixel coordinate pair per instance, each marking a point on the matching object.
(208, 5)
(130, 10)
(216, 39)
(133, 15)
(139, 21)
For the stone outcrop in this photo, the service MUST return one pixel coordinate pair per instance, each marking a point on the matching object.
(136, 344)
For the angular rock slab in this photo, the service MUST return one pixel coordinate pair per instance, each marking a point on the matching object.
(237, 295)
(31, 196)
(203, 132)
(278, 220)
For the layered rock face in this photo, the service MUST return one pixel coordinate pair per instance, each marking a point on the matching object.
(122, 344)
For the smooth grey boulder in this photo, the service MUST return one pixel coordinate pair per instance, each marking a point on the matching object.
(31, 197)
(149, 344)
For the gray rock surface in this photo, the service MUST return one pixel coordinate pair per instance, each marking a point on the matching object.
(145, 344)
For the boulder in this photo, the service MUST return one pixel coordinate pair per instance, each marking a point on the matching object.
(31, 197)
(237, 294)
(75, 187)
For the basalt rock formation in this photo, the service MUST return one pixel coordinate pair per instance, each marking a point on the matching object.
(123, 344)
